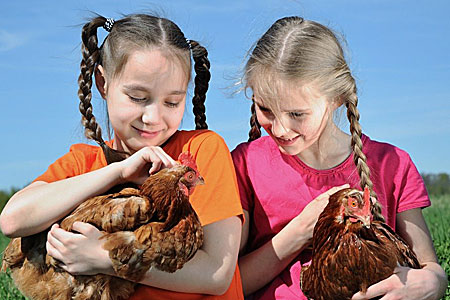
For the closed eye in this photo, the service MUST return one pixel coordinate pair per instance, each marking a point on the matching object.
(296, 115)
(136, 99)
(172, 104)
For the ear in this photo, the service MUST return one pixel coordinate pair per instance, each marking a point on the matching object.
(100, 81)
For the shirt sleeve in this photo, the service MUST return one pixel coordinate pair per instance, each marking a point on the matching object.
(413, 193)
(64, 167)
(245, 187)
(218, 198)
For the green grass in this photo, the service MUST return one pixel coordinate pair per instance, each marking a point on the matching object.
(439, 224)
(436, 217)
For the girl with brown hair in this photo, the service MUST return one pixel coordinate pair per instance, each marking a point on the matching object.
(142, 70)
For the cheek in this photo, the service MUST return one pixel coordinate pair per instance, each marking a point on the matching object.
(174, 116)
(122, 114)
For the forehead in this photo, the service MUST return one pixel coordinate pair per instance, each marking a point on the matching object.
(288, 95)
(155, 67)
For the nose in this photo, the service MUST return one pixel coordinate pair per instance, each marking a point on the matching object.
(278, 129)
(151, 114)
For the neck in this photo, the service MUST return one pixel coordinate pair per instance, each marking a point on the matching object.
(119, 145)
(331, 149)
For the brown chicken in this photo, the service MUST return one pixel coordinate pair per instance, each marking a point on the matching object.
(154, 226)
(351, 250)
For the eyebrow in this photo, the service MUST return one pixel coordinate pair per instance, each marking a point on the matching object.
(138, 87)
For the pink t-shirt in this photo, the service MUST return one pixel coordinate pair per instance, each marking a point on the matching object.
(275, 187)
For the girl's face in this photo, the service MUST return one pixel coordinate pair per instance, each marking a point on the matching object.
(302, 118)
(146, 101)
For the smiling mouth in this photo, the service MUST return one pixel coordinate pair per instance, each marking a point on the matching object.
(145, 133)
(286, 142)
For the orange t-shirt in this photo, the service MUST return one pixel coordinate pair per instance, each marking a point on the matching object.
(218, 199)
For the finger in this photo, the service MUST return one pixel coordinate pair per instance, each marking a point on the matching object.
(156, 166)
(377, 289)
(150, 156)
(165, 158)
(53, 252)
(54, 242)
(62, 235)
(85, 229)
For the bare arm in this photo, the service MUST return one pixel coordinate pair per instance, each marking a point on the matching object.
(412, 227)
(262, 265)
(40, 204)
(209, 272)
(213, 265)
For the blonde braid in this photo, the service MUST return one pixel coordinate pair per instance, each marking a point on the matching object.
(359, 157)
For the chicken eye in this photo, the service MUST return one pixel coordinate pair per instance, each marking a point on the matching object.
(352, 202)
(190, 176)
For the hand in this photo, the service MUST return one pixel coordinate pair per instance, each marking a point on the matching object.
(78, 254)
(405, 283)
(143, 163)
(307, 219)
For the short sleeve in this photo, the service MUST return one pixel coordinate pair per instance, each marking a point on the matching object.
(64, 167)
(246, 193)
(218, 198)
(80, 159)
(413, 193)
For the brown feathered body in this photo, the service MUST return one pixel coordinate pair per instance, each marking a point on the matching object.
(151, 226)
(351, 250)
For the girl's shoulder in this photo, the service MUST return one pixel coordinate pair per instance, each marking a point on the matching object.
(197, 135)
(85, 149)
(194, 141)
(261, 146)
(80, 159)
(377, 149)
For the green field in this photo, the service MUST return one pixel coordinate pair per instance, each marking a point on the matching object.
(436, 216)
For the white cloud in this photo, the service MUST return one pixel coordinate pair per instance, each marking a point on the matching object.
(9, 41)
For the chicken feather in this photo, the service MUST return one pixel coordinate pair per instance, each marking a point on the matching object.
(154, 225)
(351, 249)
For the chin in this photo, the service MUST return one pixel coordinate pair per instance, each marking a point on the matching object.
(289, 150)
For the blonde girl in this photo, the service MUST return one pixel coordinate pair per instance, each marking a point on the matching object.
(299, 77)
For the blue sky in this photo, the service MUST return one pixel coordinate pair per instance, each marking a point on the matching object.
(399, 51)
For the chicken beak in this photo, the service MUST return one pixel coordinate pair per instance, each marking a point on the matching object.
(366, 220)
(200, 181)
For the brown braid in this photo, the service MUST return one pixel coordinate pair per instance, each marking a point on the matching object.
(255, 130)
(359, 157)
(90, 58)
(202, 77)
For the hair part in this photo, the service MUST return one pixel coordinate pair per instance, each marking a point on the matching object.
(131, 33)
(295, 51)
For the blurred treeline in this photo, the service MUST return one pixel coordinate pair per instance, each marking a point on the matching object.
(437, 185)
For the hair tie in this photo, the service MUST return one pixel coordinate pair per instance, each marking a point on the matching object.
(189, 43)
(109, 23)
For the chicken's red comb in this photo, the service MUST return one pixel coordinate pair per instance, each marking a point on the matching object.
(186, 159)
(366, 194)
